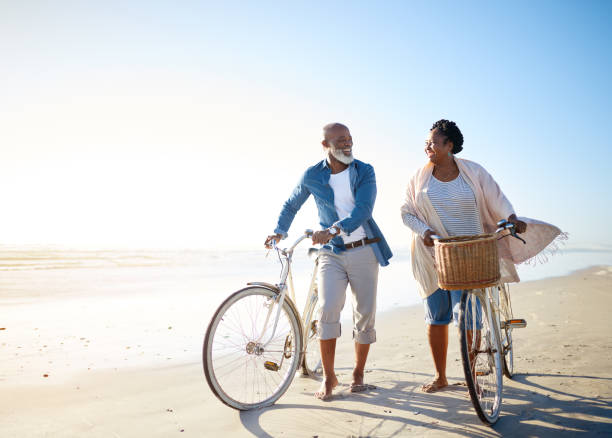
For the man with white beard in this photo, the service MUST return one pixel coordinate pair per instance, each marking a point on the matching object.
(344, 190)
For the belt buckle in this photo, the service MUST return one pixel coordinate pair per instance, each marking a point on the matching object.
(357, 243)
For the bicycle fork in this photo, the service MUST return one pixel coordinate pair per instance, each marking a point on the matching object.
(256, 347)
(283, 289)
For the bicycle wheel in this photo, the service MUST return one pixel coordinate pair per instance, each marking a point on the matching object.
(481, 356)
(505, 314)
(241, 369)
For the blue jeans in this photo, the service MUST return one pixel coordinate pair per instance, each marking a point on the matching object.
(443, 306)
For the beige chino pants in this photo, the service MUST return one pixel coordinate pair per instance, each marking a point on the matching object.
(359, 268)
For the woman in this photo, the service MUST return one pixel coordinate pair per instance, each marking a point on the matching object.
(449, 196)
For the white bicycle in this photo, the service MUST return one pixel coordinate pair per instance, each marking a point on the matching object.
(257, 341)
(486, 323)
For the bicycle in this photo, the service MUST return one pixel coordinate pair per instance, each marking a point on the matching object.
(488, 350)
(257, 341)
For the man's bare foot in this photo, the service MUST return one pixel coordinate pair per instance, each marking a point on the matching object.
(327, 386)
(435, 385)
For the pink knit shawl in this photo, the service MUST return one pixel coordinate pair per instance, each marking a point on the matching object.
(492, 205)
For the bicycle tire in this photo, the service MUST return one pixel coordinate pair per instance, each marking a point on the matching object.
(505, 312)
(482, 364)
(235, 365)
(311, 364)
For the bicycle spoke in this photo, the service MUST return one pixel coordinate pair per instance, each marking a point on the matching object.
(233, 322)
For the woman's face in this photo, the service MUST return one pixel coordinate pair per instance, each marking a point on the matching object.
(437, 146)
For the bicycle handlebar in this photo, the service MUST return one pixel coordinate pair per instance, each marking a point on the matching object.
(501, 226)
(307, 234)
(505, 225)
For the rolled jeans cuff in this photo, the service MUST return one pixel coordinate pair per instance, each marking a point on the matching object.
(365, 336)
(329, 330)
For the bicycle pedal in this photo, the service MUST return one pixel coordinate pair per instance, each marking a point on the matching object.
(514, 323)
(271, 366)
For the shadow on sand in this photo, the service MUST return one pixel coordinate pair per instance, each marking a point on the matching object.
(397, 407)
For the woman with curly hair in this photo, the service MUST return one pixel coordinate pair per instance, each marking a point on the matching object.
(450, 196)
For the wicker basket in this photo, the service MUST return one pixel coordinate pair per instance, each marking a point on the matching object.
(467, 262)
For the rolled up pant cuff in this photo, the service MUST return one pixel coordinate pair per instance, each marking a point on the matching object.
(329, 330)
(364, 337)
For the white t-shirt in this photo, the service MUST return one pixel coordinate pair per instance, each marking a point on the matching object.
(344, 201)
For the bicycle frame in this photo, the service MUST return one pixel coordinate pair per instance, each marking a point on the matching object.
(285, 286)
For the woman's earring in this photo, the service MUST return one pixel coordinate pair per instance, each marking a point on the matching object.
(450, 155)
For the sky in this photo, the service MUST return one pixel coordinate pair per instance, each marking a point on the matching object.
(187, 124)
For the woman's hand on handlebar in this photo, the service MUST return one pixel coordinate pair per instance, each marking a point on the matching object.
(519, 225)
(276, 237)
(427, 240)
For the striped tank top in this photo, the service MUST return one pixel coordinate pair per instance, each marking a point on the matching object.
(455, 203)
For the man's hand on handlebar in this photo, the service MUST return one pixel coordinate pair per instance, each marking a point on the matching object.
(519, 225)
(321, 237)
(270, 238)
(427, 238)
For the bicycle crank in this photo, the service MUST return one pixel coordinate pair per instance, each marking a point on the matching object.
(273, 366)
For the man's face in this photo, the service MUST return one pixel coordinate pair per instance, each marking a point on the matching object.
(340, 144)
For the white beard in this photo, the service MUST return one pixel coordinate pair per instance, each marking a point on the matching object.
(339, 155)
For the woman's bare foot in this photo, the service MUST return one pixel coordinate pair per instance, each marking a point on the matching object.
(357, 385)
(327, 386)
(435, 385)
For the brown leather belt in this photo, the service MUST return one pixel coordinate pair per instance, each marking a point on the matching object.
(361, 242)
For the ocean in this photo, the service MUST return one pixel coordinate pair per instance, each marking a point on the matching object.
(82, 310)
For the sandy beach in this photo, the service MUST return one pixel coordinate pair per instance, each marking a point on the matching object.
(563, 384)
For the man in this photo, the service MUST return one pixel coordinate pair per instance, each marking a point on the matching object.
(353, 246)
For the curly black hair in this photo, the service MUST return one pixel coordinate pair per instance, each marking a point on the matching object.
(452, 133)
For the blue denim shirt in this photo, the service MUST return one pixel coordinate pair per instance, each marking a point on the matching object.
(315, 181)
